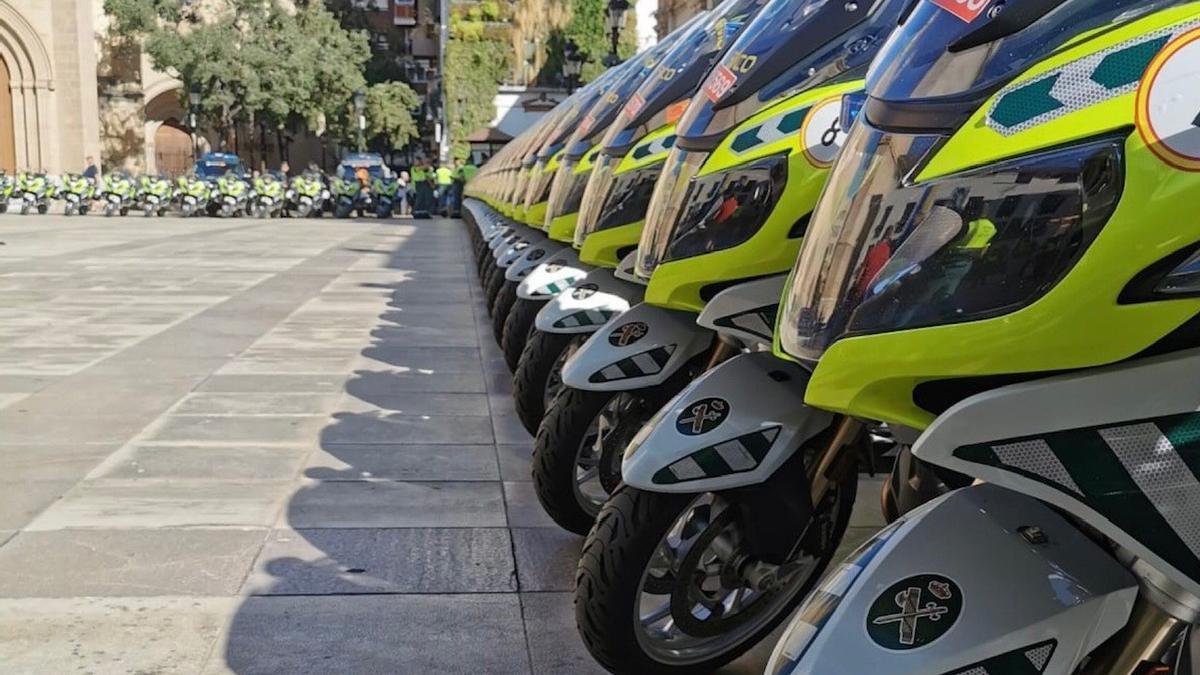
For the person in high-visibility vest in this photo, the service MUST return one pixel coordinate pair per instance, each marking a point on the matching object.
(445, 188)
(420, 178)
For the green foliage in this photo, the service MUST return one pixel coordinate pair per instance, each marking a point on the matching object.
(256, 62)
(389, 113)
(475, 65)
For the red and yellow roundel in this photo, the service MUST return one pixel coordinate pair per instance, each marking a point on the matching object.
(1168, 103)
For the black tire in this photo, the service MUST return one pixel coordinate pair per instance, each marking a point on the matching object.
(617, 551)
(494, 283)
(560, 435)
(538, 360)
(503, 305)
(517, 327)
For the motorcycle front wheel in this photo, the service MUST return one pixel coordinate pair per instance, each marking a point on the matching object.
(505, 299)
(538, 376)
(661, 585)
(517, 327)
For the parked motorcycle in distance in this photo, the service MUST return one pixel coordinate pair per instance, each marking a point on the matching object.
(267, 198)
(118, 193)
(77, 193)
(154, 195)
(306, 196)
(192, 195)
(8, 186)
(349, 195)
(233, 195)
(385, 188)
(35, 191)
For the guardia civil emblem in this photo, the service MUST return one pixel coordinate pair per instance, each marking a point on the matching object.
(553, 267)
(584, 291)
(628, 334)
(536, 254)
(702, 416)
(914, 612)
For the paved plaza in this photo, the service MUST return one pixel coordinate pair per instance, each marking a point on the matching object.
(279, 446)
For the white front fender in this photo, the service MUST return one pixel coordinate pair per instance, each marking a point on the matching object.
(640, 348)
(530, 259)
(732, 427)
(588, 304)
(552, 277)
(982, 580)
(746, 312)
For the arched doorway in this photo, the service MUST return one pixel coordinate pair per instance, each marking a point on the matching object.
(8, 135)
(172, 149)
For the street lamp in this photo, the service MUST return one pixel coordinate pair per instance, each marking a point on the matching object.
(617, 10)
(193, 106)
(360, 107)
(572, 64)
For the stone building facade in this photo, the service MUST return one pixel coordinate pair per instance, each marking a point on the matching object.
(671, 14)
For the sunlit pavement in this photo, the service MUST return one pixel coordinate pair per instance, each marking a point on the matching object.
(268, 447)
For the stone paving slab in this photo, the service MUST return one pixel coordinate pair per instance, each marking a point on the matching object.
(411, 560)
(270, 447)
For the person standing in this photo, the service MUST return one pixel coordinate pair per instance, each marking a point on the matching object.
(402, 195)
(445, 188)
(420, 180)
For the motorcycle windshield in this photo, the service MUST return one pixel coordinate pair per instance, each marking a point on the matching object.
(788, 48)
(965, 49)
(584, 100)
(662, 97)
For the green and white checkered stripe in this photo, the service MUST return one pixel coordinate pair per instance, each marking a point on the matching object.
(1083, 83)
(760, 321)
(738, 455)
(650, 362)
(655, 147)
(1140, 475)
(556, 287)
(587, 317)
(1031, 660)
(772, 129)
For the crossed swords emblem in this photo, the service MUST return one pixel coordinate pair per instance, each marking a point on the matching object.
(911, 612)
(704, 412)
(630, 332)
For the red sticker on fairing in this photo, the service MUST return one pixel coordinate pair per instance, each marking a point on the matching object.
(720, 81)
(634, 106)
(967, 10)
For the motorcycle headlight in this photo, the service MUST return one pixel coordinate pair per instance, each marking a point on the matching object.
(885, 254)
(718, 211)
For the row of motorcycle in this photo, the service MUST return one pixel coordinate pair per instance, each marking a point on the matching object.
(797, 241)
(230, 195)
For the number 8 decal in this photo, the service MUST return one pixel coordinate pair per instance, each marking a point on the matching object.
(822, 135)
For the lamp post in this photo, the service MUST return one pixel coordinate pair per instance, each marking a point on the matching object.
(193, 106)
(572, 65)
(360, 107)
(617, 10)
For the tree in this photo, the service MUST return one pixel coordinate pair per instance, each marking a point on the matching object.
(389, 113)
(255, 62)
(476, 63)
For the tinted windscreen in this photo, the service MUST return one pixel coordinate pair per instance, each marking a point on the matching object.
(939, 53)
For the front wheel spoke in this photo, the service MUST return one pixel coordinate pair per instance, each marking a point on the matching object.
(661, 612)
(589, 475)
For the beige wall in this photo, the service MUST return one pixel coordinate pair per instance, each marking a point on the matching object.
(47, 46)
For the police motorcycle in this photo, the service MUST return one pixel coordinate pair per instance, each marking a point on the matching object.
(118, 194)
(8, 186)
(306, 196)
(384, 189)
(509, 243)
(267, 196)
(154, 195)
(191, 195)
(574, 163)
(34, 190)
(1027, 307)
(232, 196)
(631, 155)
(727, 210)
(348, 194)
(77, 194)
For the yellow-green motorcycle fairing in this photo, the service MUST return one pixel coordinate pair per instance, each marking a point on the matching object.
(605, 248)
(1063, 329)
(562, 228)
(679, 284)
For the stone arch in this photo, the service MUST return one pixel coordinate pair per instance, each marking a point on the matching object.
(162, 108)
(31, 81)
